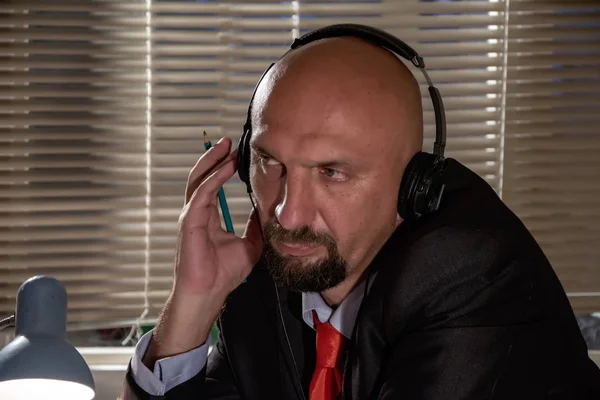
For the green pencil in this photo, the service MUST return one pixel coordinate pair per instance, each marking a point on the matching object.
(222, 200)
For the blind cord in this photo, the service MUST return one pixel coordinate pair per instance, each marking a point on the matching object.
(136, 329)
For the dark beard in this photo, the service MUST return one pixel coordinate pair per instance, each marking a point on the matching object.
(291, 272)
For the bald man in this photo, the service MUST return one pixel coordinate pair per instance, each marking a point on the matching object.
(343, 298)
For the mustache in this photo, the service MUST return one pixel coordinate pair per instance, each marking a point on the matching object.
(304, 235)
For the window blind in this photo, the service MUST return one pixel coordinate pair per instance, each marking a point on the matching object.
(73, 157)
(104, 104)
(552, 142)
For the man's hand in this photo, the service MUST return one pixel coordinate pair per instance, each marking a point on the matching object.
(210, 262)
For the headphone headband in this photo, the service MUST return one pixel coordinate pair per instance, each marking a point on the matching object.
(368, 33)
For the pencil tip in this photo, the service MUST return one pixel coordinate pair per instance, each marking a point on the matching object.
(205, 137)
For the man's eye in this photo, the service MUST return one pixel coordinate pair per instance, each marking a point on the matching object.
(266, 160)
(333, 174)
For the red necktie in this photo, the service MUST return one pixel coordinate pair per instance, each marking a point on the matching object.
(326, 383)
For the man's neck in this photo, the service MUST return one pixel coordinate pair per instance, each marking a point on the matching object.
(335, 296)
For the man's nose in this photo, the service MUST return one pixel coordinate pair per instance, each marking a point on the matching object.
(296, 207)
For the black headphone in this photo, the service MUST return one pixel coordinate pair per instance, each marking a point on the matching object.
(423, 180)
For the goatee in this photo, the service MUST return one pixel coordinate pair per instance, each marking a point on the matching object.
(294, 273)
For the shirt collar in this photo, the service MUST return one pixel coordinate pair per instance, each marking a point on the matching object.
(342, 318)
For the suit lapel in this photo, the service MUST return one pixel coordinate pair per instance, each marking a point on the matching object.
(365, 352)
(246, 324)
(296, 342)
(367, 347)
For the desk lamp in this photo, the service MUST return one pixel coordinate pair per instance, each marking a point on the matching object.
(39, 363)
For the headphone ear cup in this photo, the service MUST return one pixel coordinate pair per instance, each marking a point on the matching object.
(422, 186)
(243, 159)
(410, 179)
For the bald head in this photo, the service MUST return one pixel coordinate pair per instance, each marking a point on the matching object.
(346, 83)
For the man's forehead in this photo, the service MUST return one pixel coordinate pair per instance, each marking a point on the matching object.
(312, 109)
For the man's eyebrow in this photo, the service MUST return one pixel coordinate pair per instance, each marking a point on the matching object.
(261, 150)
(334, 164)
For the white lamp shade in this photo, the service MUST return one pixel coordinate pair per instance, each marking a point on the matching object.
(47, 389)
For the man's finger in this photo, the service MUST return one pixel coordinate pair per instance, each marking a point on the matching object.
(207, 190)
(207, 163)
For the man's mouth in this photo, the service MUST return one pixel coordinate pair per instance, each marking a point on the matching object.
(297, 249)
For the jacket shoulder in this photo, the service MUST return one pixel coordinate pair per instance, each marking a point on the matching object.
(473, 255)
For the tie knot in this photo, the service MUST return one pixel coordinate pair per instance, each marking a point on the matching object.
(329, 344)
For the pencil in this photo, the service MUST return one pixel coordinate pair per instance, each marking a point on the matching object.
(222, 200)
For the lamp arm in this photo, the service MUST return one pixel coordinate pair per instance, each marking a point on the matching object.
(6, 322)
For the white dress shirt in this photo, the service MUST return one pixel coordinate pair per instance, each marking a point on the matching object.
(172, 371)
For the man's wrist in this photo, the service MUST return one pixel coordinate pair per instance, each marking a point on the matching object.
(184, 325)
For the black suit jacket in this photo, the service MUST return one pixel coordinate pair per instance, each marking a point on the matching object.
(464, 306)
